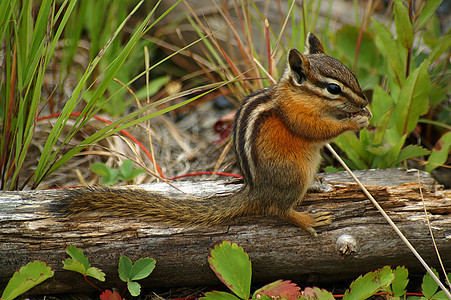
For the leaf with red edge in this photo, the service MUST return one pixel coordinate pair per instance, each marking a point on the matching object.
(27, 277)
(369, 284)
(279, 289)
(109, 295)
(233, 267)
(316, 294)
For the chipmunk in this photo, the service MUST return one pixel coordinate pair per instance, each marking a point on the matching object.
(278, 133)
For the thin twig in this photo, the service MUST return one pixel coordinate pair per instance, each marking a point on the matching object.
(392, 224)
(430, 231)
(273, 81)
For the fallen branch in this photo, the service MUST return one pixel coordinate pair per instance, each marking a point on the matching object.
(357, 241)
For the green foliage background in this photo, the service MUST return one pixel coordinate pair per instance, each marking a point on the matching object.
(405, 71)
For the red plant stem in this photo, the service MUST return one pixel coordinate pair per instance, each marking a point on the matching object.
(91, 284)
(268, 47)
(206, 173)
(55, 115)
(357, 49)
(9, 116)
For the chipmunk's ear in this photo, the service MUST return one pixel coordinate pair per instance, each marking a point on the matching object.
(313, 45)
(298, 65)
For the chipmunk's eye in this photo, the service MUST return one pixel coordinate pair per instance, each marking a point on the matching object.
(333, 88)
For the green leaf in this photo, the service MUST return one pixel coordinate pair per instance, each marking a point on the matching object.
(381, 128)
(346, 41)
(404, 29)
(72, 265)
(368, 285)
(385, 43)
(316, 294)
(79, 263)
(400, 282)
(136, 172)
(126, 168)
(78, 256)
(437, 95)
(109, 175)
(154, 86)
(127, 172)
(125, 265)
(380, 149)
(412, 100)
(332, 169)
(142, 268)
(100, 169)
(219, 296)
(354, 149)
(382, 103)
(27, 277)
(134, 288)
(411, 151)
(442, 47)
(96, 273)
(439, 157)
(233, 267)
(427, 12)
(139, 270)
(262, 297)
(392, 154)
(278, 290)
(440, 295)
(429, 286)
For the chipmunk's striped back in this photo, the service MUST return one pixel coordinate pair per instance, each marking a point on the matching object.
(251, 114)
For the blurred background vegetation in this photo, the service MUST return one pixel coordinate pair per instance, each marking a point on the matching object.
(106, 89)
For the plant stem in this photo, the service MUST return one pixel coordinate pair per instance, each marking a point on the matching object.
(92, 284)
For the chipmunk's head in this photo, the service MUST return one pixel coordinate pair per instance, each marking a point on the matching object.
(326, 78)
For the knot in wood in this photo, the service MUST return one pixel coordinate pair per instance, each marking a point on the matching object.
(346, 244)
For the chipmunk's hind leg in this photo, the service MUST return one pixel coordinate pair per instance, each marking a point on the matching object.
(308, 221)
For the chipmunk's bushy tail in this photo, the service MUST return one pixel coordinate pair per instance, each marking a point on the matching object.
(151, 206)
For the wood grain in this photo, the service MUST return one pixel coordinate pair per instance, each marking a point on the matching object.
(357, 241)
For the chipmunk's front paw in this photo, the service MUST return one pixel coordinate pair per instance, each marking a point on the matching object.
(362, 118)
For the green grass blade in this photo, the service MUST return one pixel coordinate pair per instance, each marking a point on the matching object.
(128, 121)
(48, 156)
(6, 10)
(49, 159)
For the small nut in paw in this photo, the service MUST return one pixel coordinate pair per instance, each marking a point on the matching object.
(362, 121)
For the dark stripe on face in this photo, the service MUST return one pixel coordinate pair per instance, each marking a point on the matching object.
(343, 94)
(332, 68)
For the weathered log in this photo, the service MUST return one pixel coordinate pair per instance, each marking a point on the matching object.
(357, 241)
